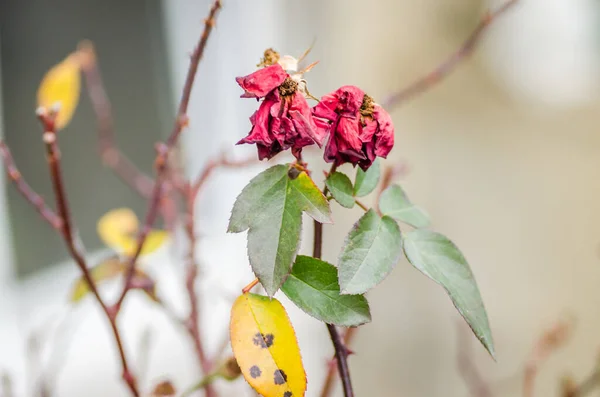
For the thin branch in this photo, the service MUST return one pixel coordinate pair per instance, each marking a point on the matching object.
(551, 340)
(477, 386)
(193, 320)
(221, 162)
(109, 153)
(164, 149)
(341, 352)
(448, 66)
(589, 384)
(69, 235)
(26, 191)
(332, 369)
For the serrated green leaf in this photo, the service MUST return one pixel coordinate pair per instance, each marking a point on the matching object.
(367, 181)
(440, 260)
(271, 207)
(313, 287)
(370, 252)
(395, 203)
(341, 189)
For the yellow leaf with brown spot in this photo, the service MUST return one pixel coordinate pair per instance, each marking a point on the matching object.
(265, 346)
(60, 87)
(118, 229)
(106, 270)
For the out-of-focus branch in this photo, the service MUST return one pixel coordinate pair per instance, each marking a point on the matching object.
(26, 191)
(164, 148)
(477, 386)
(69, 234)
(109, 153)
(549, 342)
(448, 66)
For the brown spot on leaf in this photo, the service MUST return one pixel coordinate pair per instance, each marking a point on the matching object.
(280, 377)
(255, 372)
(263, 340)
(287, 394)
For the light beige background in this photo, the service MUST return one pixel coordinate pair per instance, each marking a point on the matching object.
(511, 181)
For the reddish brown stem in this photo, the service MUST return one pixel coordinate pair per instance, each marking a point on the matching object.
(332, 369)
(26, 191)
(448, 66)
(164, 149)
(341, 353)
(193, 321)
(73, 244)
(109, 153)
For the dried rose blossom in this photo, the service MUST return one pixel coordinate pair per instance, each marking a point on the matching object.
(359, 129)
(284, 119)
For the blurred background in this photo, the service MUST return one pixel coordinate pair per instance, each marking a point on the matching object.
(504, 155)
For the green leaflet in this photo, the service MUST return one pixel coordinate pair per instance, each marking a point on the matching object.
(395, 203)
(367, 181)
(439, 259)
(313, 287)
(341, 189)
(370, 252)
(271, 207)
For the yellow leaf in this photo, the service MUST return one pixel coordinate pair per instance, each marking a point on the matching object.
(118, 229)
(265, 346)
(154, 240)
(106, 270)
(60, 86)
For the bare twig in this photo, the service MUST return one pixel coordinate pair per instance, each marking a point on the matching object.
(109, 153)
(550, 340)
(69, 235)
(448, 66)
(477, 386)
(26, 191)
(164, 149)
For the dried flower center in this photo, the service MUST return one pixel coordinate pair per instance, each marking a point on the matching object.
(367, 107)
(270, 57)
(288, 87)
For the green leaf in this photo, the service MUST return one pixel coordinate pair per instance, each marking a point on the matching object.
(370, 252)
(341, 189)
(395, 203)
(439, 259)
(313, 287)
(367, 181)
(271, 207)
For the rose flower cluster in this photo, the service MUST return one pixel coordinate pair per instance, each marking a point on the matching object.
(357, 130)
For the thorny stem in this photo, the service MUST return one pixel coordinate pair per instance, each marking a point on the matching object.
(341, 353)
(73, 245)
(164, 149)
(331, 370)
(26, 191)
(448, 66)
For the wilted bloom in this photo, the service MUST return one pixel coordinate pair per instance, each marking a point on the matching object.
(283, 119)
(359, 129)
